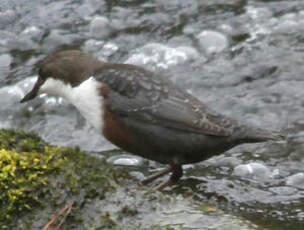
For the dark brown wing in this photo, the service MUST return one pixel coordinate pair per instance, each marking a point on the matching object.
(146, 97)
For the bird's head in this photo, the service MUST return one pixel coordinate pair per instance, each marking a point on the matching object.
(60, 71)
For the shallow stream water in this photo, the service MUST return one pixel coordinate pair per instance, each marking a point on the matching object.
(243, 58)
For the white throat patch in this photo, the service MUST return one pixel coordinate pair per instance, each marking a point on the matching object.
(84, 97)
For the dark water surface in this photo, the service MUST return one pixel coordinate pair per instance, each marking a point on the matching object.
(243, 58)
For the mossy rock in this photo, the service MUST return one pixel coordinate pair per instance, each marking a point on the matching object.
(37, 180)
(35, 175)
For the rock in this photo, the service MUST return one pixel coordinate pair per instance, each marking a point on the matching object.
(255, 170)
(212, 41)
(159, 56)
(5, 62)
(100, 27)
(100, 195)
(296, 180)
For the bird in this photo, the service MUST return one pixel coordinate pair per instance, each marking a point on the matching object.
(143, 112)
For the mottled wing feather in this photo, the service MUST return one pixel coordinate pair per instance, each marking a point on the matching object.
(147, 97)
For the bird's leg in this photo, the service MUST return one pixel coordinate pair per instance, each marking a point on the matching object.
(157, 175)
(177, 172)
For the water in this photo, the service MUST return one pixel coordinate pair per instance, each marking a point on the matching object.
(243, 58)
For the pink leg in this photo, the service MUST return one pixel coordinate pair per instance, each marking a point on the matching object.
(177, 172)
(157, 175)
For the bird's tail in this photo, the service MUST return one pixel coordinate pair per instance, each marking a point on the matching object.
(252, 134)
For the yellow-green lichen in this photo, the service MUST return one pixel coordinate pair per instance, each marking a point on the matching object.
(37, 176)
(22, 176)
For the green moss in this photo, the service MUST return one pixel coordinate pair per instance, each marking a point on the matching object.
(108, 222)
(22, 175)
(20, 141)
(33, 174)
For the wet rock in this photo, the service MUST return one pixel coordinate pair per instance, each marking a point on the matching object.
(12, 41)
(212, 41)
(102, 196)
(123, 17)
(93, 46)
(109, 49)
(287, 25)
(7, 17)
(158, 56)
(100, 27)
(296, 180)
(57, 38)
(301, 216)
(88, 8)
(10, 112)
(259, 14)
(33, 33)
(72, 131)
(5, 62)
(254, 170)
(125, 159)
(283, 190)
(225, 161)
(100, 49)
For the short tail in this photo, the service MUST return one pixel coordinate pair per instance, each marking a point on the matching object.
(251, 135)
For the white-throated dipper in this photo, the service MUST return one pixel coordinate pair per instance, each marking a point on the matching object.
(142, 112)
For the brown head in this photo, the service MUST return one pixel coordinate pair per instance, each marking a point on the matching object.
(70, 67)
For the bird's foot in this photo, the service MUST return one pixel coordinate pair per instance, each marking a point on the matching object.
(177, 173)
(157, 175)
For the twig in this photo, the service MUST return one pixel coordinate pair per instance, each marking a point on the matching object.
(67, 209)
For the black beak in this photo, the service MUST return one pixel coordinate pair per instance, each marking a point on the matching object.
(34, 92)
